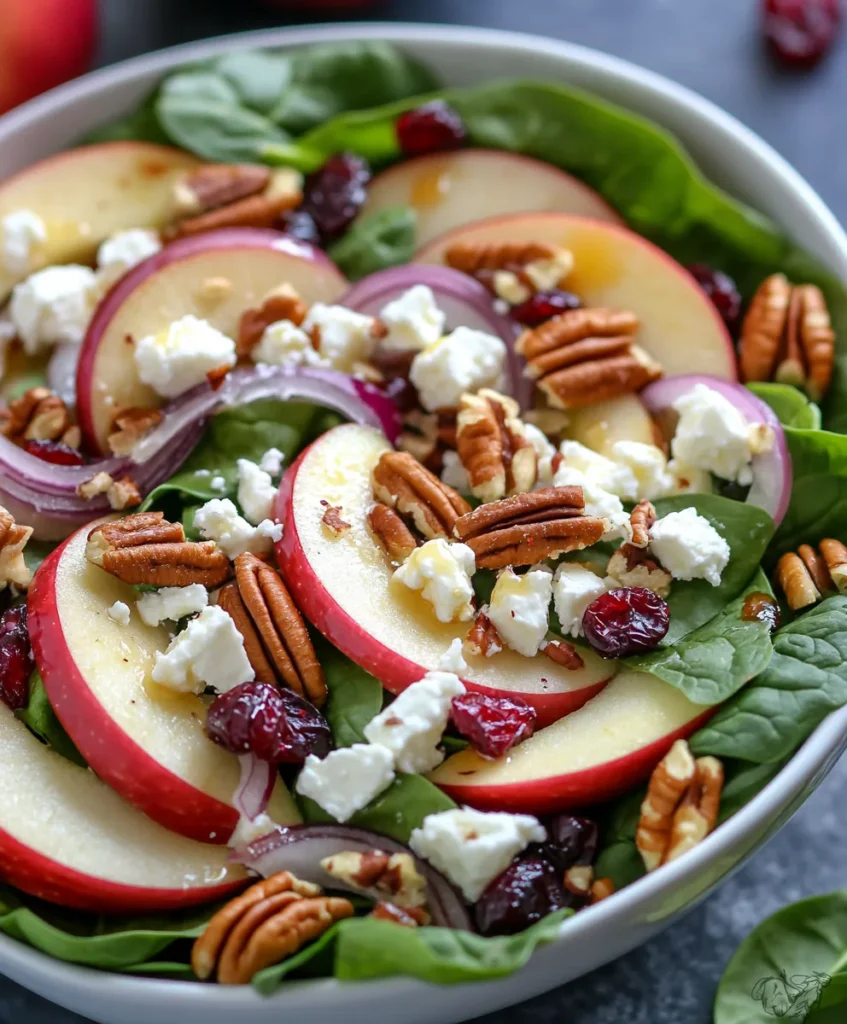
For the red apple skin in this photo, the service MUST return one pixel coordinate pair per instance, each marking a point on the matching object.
(393, 670)
(577, 789)
(42, 44)
(116, 759)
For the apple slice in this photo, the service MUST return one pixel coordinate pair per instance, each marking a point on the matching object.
(66, 837)
(214, 276)
(599, 752)
(344, 586)
(89, 193)
(145, 741)
(614, 267)
(450, 190)
(600, 425)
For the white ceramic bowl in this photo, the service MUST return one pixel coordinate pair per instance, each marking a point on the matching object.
(733, 157)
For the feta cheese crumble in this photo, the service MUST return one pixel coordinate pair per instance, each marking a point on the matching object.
(465, 360)
(649, 467)
(119, 611)
(413, 320)
(218, 483)
(598, 502)
(346, 780)
(453, 473)
(473, 847)
(713, 435)
(248, 830)
(53, 306)
(271, 462)
(453, 660)
(545, 452)
(344, 337)
(520, 608)
(689, 547)
(178, 358)
(21, 233)
(442, 572)
(574, 588)
(603, 473)
(219, 520)
(283, 343)
(256, 491)
(208, 652)
(172, 603)
(124, 250)
(412, 725)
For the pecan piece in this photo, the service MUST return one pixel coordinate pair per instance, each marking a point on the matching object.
(380, 875)
(668, 784)
(13, 540)
(332, 520)
(282, 303)
(401, 482)
(396, 539)
(578, 879)
(641, 519)
(409, 917)
(212, 185)
(38, 415)
(470, 257)
(257, 211)
(563, 653)
(129, 426)
(529, 527)
(631, 566)
(483, 638)
(601, 889)
(698, 810)
(805, 575)
(493, 447)
(229, 598)
(123, 493)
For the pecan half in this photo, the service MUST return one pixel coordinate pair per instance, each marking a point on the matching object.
(129, 426)
(470, 257)
(380, 875)
(493, 447)
(396, 539)
(583, 356)
(631, 566)
(13, 540)
(257, 211)
(806, 575)
(529, 527)
(401, 482)
(212, 185)
(563, 653)
(409, 917)
(282, 303)
(483, 638)
(787, 336)
(38, 415)
(145, 548)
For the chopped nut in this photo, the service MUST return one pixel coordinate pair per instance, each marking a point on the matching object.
(13, 540)
(601, 889)
(213, 185)
(697, 813)
(806, 575)
(470, 257)
(668, 783)
(816, 567)
(213, 291)
(282, 303)
(641, 519)
(38, 415)
(396, 539)
(796, 582)
(483, 638)
(631, 566)
(98, 484)
(563, 653)
(380, 875)
(129, 426)
(258, 211)
(401, 482)
(835, 556)
(495, 452)
(217, 376)
(72, 437)
(409, 917)
(332, 520)
(123, 494)
(578, 879)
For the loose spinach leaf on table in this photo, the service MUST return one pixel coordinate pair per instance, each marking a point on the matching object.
(40, 717)
(354, 695)
(792, 407)
(376, 241)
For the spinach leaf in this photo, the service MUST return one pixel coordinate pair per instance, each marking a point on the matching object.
(259, 77)
(713, 662)
(746, 529)
(354, 696)
(742, 781)
(36, 551)
(791, 964)
(40, 717)
(376, 241)
(806, 679)
(618, 858)
(141, 125)
(792, 407)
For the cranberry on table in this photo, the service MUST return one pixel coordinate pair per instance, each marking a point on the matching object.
(722, 290)
(543, 306)
(334, 194)
(799, 32)
(528, 890)
(431, 128)
(492, 725)
(629, 620)
(56, 452)
(16, 661)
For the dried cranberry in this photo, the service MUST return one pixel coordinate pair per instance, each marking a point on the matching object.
(722, 290)
(544, 305)
(276, 725)
(56, 452)
(434, 126)
(628, 620)
(571, 841)
(799, 32)
(13, 620)
(16, 661)
(528, 890)
(335, 193)
(493, 725)
(301, 226)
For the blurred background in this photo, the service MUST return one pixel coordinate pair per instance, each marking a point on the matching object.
(791, 90)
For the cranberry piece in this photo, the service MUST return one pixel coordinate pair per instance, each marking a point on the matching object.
(528, 890)
(277, 726)
(493, 725)
(56, 452)
(628, 620)
(335, 193)
(571, 841)
(722, 290)
(300, 225)
(16, 661)
(434, 126)
(13, 620)
(544, 305)
(799, 32)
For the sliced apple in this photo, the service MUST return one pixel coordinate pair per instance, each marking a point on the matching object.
(66, 837)
(450, 190)
(214, 276)
(600, 425)
(145, 741)
(344, 586)
(604, 749)
(86, 194)
(614, 267)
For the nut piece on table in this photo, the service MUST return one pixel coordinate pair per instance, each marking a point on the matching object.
(806, 575)
(529, 528)
(282, 303)
(128, 428)
(13, 540)
(395, 538)
(401, 482)
(583, 356)
(787, 336)
(382, 876)
(38, 415)
(493, 447)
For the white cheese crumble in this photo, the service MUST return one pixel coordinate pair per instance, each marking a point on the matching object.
(248, 830)
(598, 502)
(413, 723)
(413, 320)
(178, 358)
(442, 572)
(219, 520)
(172, 603)
(218, 483)
(453, 473)
(21, 233)
(690, 479)
(544, 450)
(547, 274)
(208, 652)
(574, 588)
(712, 435)
(256, 491)
(473, 847)
(453, 660)
(126, 249)
(464, 360)
(520, 608)
(119, 611)
(614, 477)
(346, 780)
(689, 547)
(283, 343)
(648, 465)
(271, 462)
(344, 338)
(53, 306)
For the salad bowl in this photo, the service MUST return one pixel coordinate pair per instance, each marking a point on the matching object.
(730, 156)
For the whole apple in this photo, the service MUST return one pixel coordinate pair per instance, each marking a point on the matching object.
(42, 44)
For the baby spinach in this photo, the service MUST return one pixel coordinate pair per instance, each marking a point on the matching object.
(792, 407)
(742, 781)
(618, 858)
(713, 662)
(376, 241)
(354, 696)
(40, 717)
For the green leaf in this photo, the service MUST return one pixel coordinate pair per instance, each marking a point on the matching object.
(141, 125)
(259, 77)
(713, 662)
(792, 407)
(791, 965)
(36, 551)
(806, 679)
(355, 697)
(742, 781)
(376, 241)
(618, 858)
(40, 717)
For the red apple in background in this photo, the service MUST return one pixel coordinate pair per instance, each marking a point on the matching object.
(42, 44)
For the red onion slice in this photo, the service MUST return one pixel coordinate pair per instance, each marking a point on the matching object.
(772, 472)
(464, 301)
(301, 848)
(254, 787)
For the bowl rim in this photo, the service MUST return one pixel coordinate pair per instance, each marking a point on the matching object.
(778, 799)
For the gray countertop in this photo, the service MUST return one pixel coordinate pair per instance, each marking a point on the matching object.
(711, 46)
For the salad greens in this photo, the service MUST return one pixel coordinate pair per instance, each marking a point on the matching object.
(793, 408)
(375, 241)
(40, 717)
(355, 697)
